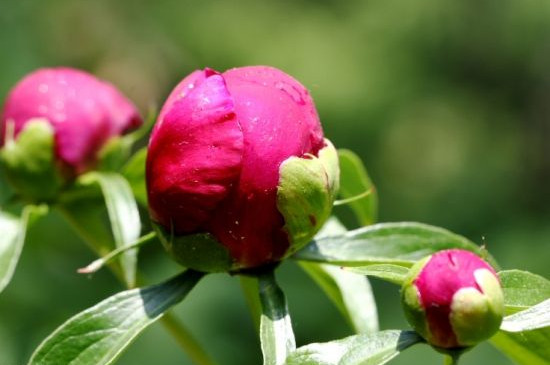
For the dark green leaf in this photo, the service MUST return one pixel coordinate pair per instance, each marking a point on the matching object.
(276, 335)
(13, 230)
(364, 349)
(393, 273)
(523, 289)
(386, 243)
(101, 333)
(250, 289)
(134, 172)
(355, 182)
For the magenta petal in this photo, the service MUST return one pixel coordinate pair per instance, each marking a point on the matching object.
(84, 112)
(194, 156)
(444, 274)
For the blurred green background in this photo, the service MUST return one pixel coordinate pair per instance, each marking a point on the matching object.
(447, 102)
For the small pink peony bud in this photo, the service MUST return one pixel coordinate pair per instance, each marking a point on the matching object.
(453, 299)
(215, 167)
(83, 111)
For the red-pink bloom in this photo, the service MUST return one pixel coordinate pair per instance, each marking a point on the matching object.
(458, 297)
(84, 112)
(215, 153)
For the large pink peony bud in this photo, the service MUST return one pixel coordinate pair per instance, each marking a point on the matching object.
(453, 299)
(83, 111)
(228, 153)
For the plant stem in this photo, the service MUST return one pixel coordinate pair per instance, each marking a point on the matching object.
(450, 360)
(185, 340)
(250, 289)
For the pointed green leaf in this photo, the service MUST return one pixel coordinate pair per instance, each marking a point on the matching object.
(134, 172)
(364, 349)
(276, 334)
(14, 230)
(523, 289)
(123, 216)
(399, 244)
(356, 185)
(101, 333)
(393, 273)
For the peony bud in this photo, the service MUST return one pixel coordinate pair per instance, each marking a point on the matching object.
(238, 172)
(453, 299)
(63, 109)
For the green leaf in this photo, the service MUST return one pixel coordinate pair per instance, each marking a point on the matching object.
(523, 289)
(98, 335)
(364, 349)
(134, 172)
(538, 316)
(525, 348)
(250, 288)
(399, 244)
(393, 273)
(276, 335)
(527, 293)
(123, 215)
(351, 293)
(13, 231)
(29, 162)
(357, 187)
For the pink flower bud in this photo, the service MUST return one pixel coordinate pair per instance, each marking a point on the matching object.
(453, 299)
(215, 155)
(84, 112)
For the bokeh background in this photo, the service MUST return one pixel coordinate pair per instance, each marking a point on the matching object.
(447, 102)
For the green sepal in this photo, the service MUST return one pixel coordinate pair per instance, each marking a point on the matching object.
(198, 251)
(29, 162)
(410, 301)
(306, 191)
(476, 316)
(114, 154)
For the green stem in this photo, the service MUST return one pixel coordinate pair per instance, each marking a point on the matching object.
(450, 359)
(185, 340)
(250, 289)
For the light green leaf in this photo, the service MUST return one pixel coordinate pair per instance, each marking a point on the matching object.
(529, 294)
(276, 335)
(13, 230)
(101, 333)
(357, 188)
(250, 288)
(523, 289)
(525, 348)
(538, 316)
(399, 244)
(351, 293)
(123, 215)
(393, 273)
(134, 172)
(364, 349)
